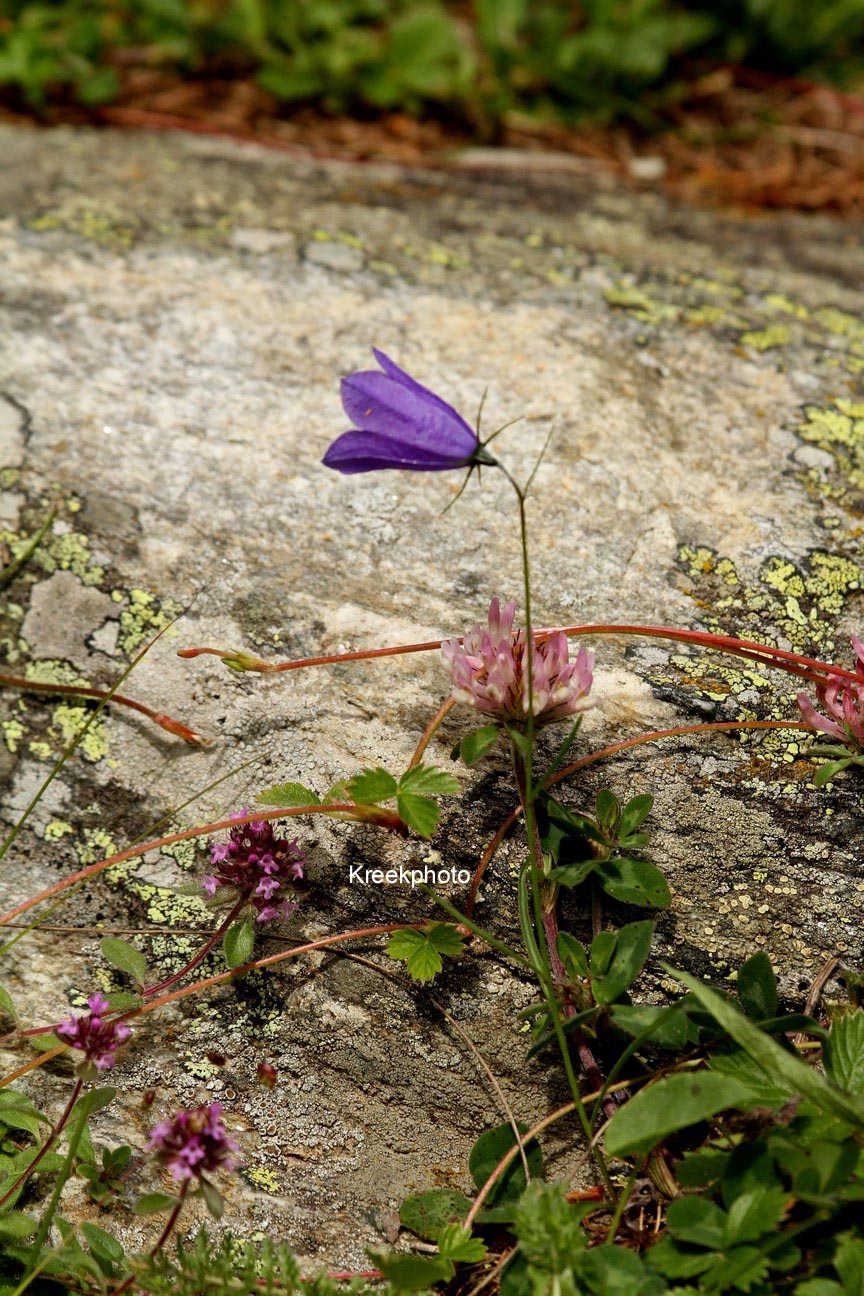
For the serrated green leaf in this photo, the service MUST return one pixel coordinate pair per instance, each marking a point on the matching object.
(121, 954)
(411, 1272)
(778, 1064)
(421, 949)
(372, 786)
(287, 795)
(757, 987)
(671, 1104)
(630, 952)
(634, 881)
(420, 813)
(457, 1244)
(238, 942)
(490, 1149)
(634, 813)
(154, 1203)
(844, 1052)
(425, 780)
(476, 745)
(427, 1213)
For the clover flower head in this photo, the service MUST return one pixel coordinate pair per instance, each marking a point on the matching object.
(97, 1039)
(193, 1143)
(489, 671)
(256, 864)
(843, 699)
(399, 424)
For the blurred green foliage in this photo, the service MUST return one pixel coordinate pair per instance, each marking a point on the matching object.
(555, 58)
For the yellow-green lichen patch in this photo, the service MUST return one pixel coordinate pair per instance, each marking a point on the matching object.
(777, 302)
(184, 852)
(638, 303)
(200, 1068)
(57, 828)
(840, 322)
(767, 339)
(13, 732)
(103, 225)
(67, 720)
(839, 429)
(58, 551)
(145, 616)
(262, 1179)
(96, 844)
(164, 905)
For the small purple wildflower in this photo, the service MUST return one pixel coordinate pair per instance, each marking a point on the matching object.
(843, 699)
(193, 1142)
(399, 424)
(97, 1039)
(256, 864)
(489, 670)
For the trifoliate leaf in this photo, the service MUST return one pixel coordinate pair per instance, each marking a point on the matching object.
(372, 786)
(422, 950)
(456, 1243)
(286, 795)
(121, 954)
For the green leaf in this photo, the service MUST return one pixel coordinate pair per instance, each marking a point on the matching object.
(238, 942)
(608, 811)
(671, 1104)
(572, 954)
(371, 786)
(571, 875)
(764, 1091)
(491, 1147)
(120, 1000)
(425, 780)
(94, 1100)
(634, 812)
(154, 1203)
(476, 745)
(673, 1029)
(634, 881)
(411, 1272)
(102, 1244)
(15, 1224)
(755, 1212)
(844, 1052)
(602, 951)
(757, 987)
(825, 773)
(6, 1004)
(422, 949)
(18, 1112)
(126, 957)
(631, 950)
(420, 813)
(287, 795)
(849, 1263)
(427, 1213)
(778, 1064)
(457, 1244)
(212, 1199)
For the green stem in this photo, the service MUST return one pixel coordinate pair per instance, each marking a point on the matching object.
(161, 1240)
(62, 1178)
(46, 1146)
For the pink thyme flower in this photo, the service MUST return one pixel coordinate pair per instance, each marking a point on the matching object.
(193, 1142)
(489, 670)
(256, 864)
(98, 1040)
(843, 699)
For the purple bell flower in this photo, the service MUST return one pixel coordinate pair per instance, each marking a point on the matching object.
(399, 424)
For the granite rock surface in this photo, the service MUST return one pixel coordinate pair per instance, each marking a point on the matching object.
(175, 313)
